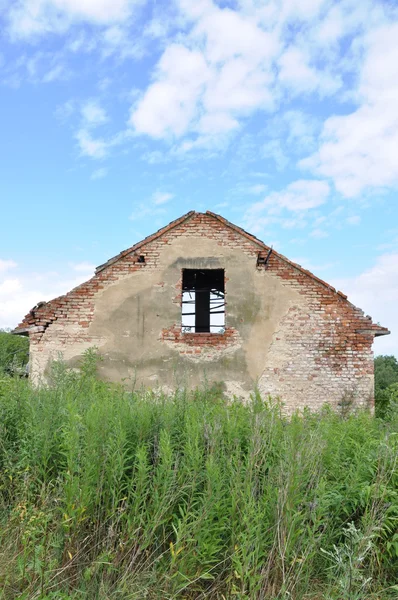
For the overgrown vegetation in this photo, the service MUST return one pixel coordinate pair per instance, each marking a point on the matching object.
(14, 356)
(110, 493)
(386, 385)
(14, 352)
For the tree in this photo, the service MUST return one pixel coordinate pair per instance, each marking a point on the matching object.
(386, 380)
(14, 352)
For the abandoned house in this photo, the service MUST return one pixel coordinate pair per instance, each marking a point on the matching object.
(202, 299)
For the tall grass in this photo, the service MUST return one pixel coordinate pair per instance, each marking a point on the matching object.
(111, 493)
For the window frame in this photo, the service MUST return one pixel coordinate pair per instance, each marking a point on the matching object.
(215, 286)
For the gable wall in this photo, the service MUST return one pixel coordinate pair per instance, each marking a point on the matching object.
(285, 331)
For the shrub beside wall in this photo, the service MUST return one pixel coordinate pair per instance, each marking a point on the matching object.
(14, 352)
(386, 384)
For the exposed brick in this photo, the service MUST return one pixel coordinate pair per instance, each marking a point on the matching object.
(329, 343)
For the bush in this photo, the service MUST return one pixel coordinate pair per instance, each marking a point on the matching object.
(108, 493)
(386, 381)
(14, 353)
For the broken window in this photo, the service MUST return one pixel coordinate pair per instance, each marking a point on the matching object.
(203, 301)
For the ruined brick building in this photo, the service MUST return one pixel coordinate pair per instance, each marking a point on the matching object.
(204, 299)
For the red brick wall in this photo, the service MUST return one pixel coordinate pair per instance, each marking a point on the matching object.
(316, 353)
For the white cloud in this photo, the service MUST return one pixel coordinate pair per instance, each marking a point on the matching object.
(251, 59)
(16, 301)
(332, 27)
(55, 73)
(296, 73)
(229, 34)
(239, 87)
(159, 198)
(296, 222)
(83, 267)
(93, 114)
(257, 189)
(353, 220)
(154, 207)
(376, 292)
(98, 147)
(259, 175)
(319, 234)
(240, 61)
(6, 265)
(9, 286)
(222, 72)
(298, 197)
(65, 110)
(273, 150)
(104, 83)
(89, 146)
(21, 293)
(32, 17)
(156, 157)
(80, 42)
(117, 40)
(99, 174)
(313, 267)
(359, 150)
(219, 122)
(240, 54)
(35, 67)
(143, 210)
(300, 129)
(218, 66)
(169, 104)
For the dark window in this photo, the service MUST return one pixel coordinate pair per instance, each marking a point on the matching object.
(203, 302)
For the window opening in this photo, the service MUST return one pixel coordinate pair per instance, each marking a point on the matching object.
(263, 258)
(203, 301)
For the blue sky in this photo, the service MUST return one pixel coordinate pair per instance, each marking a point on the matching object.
(118, 116)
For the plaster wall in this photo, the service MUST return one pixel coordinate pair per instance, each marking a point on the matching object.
(286, 332)
(131, 314)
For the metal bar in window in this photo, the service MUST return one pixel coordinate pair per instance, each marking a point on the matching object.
(215, 307)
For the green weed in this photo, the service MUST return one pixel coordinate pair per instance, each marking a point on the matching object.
(109, 493)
